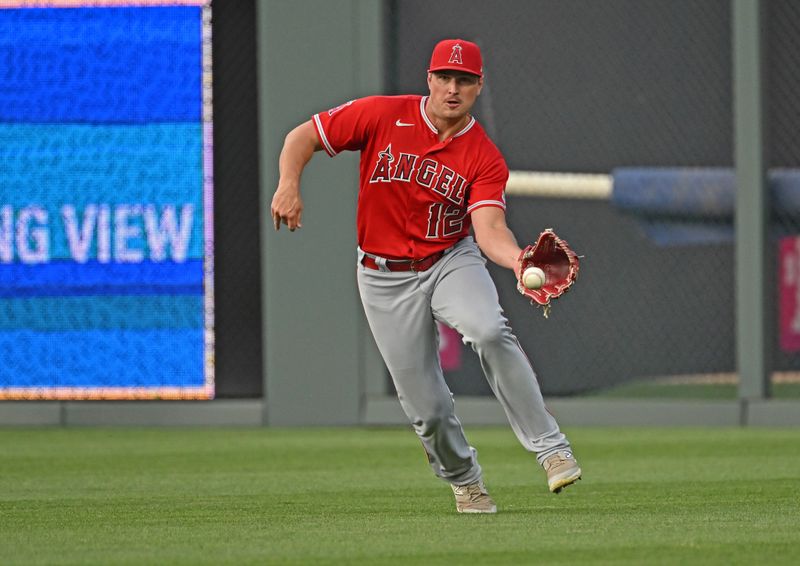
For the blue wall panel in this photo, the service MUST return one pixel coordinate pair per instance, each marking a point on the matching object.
(105, 204)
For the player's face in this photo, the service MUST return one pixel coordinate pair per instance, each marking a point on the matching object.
(453, 93)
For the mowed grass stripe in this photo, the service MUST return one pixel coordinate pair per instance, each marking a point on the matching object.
(366, 496)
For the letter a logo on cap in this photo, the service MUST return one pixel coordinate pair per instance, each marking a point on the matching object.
(455, 55)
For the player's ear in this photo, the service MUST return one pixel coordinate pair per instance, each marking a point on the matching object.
(480, 84)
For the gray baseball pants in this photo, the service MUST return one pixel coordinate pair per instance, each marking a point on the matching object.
(402, 309)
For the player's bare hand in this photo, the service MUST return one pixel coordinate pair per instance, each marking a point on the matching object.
(287, 208)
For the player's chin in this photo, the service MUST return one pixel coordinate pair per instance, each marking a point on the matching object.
(453, 113)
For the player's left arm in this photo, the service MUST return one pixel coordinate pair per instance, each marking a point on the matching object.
(494, 237)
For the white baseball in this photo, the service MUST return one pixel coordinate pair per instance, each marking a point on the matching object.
(533, 278)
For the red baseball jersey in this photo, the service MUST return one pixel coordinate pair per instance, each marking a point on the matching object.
(415, 193)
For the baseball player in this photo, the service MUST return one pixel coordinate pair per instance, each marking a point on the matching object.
(429, 174)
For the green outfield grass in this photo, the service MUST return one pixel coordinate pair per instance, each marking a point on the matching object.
(366, 496)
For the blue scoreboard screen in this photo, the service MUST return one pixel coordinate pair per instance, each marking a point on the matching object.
(106, 200)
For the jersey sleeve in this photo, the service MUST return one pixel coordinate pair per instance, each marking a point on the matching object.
(345, 127)
(488, 189)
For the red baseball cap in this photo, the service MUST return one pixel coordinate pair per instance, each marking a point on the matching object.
(457, 55)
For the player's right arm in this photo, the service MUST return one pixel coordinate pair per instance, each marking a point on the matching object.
(298, 148)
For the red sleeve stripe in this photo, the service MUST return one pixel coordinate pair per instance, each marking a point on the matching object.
(322, 137)
(482, 203)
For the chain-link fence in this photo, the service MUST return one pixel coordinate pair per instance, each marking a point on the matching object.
(640, 91)
(783, 110)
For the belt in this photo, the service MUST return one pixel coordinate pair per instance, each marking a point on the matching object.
(423, 264)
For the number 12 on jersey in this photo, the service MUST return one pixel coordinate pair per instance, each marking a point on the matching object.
(444, 220)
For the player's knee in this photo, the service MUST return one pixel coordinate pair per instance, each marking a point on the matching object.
(433, 419)
(488, 336)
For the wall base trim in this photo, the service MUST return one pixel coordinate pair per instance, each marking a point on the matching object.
(612, 412)
(225, 412)
(386, 411)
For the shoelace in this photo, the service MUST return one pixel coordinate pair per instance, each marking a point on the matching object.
(474, 491)
(555, 461)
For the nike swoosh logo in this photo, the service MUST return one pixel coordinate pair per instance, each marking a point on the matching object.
(399, 123)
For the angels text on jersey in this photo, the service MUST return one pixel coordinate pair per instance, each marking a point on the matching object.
(443, 219)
